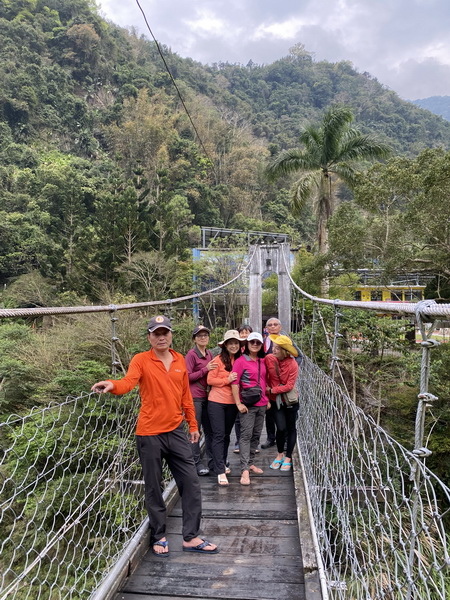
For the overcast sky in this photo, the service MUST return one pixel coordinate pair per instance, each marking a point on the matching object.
(405, 44)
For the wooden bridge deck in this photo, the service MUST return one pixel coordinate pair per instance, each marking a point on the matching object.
(256, 529)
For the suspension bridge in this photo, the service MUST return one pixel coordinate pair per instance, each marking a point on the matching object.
(73, 522)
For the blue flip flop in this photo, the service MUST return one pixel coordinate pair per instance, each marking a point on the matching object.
(163, 544)
(201, 548)
(276, 464)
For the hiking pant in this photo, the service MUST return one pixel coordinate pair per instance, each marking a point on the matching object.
(201, 414)
(270, 424)
(286, 419)
(221, 418)
(174, 447)
(251, 426)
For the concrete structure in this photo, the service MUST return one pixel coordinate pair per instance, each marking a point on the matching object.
(270, 259)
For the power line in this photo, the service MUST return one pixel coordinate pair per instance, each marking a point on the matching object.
(176, 87)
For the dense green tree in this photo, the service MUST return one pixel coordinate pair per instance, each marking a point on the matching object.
(407, 214)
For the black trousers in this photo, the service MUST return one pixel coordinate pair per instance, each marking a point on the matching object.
(286, 419)
(174, 447)
(270, 423)
(201, 414)
(221, 418)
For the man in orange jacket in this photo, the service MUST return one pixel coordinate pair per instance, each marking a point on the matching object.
(165, 403)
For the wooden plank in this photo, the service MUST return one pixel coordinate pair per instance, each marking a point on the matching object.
(238, 545)
(224, 585)
(246, 514)
(233, 527)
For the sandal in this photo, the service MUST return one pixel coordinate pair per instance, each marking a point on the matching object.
(163, 544)
(222, 479)
(286, 466)
(227, 470)
(201, 548)
(276, 464)
(255, 469)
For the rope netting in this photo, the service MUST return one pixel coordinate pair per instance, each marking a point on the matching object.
(380, 527)
(71, 489)
(71, 495)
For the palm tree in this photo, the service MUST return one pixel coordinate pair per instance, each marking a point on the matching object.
(331, 153)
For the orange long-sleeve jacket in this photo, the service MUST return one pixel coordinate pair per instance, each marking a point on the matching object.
(165, 396)
(220, 386)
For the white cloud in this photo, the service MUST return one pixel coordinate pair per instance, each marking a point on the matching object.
(395, 40)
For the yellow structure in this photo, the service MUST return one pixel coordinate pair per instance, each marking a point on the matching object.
(391, 293)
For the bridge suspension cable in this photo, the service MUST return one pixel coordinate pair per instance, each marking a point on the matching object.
(426, 309)
(69, 310)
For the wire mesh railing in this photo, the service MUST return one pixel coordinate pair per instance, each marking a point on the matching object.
(381, 530)
(71, 490)
(71, 496)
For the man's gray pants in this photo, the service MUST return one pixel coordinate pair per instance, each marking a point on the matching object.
(175, 448)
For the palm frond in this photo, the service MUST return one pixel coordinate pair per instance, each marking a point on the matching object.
(305, 187)
(346, 172)
(357, 146)
(335, 121)
(286, 163)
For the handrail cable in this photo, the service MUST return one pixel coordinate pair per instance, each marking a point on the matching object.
(66, 310)
(424, 308)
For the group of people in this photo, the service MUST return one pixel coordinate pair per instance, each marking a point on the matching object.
(243, 386)
(248, 380)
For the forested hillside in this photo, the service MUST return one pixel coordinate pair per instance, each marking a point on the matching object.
(100, 167)
(104, 183)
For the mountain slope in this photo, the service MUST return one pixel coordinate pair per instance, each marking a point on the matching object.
(439, 105)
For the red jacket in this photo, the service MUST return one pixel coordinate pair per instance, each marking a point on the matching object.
(284, 381)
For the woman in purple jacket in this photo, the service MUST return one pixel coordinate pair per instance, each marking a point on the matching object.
(198, 363)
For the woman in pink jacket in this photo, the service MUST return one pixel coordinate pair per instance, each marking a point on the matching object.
(251, 379)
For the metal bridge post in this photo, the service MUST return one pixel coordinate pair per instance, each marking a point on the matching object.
(334, 351)
(114, 339)
(424, 397)
(284, 288)
(255, 291)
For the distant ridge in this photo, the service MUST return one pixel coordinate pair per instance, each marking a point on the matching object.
(439, 105)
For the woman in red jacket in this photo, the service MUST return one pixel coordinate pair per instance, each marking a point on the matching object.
(282, 372)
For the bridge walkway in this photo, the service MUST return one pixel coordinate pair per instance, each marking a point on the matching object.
(257, 531)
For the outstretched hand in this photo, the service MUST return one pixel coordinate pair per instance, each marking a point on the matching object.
(101, 387)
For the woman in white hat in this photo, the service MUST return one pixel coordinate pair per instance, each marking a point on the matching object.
(282, 372)
(249, 392)
(222, 409)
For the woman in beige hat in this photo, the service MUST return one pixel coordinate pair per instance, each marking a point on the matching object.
(222, 409)
(282, 372)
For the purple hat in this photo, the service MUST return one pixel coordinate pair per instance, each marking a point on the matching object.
(200, 328)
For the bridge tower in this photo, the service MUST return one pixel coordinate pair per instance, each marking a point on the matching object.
(269, 258)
